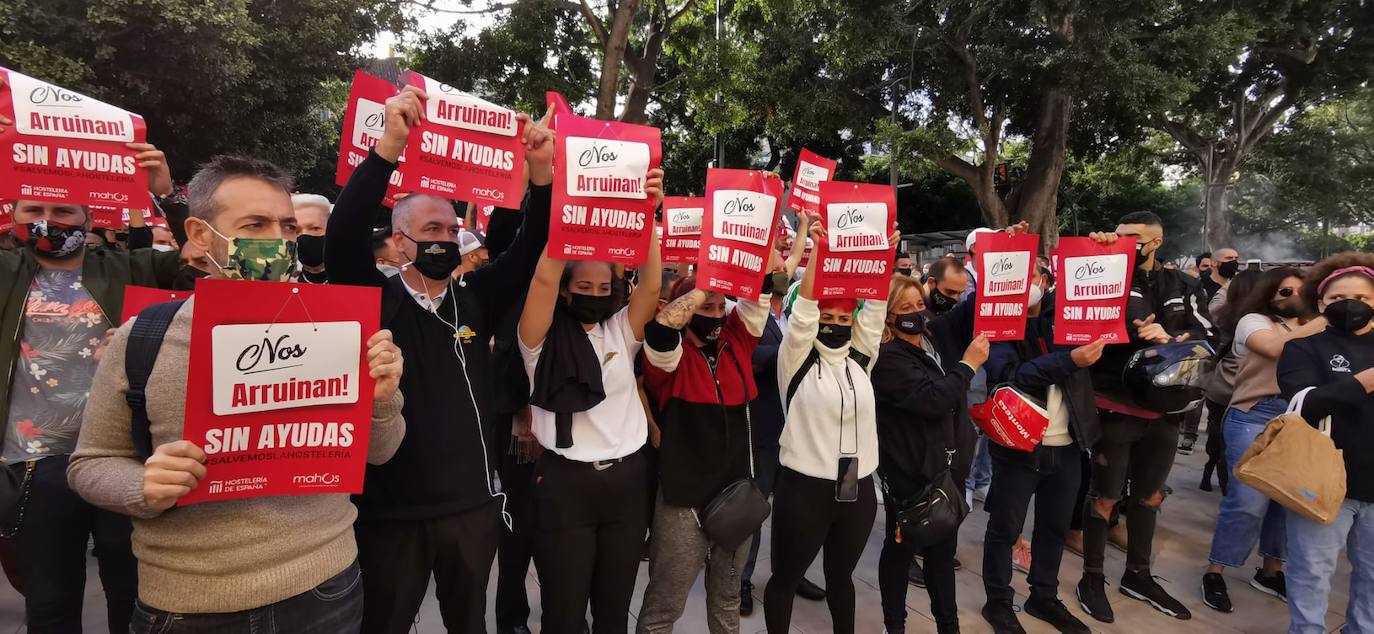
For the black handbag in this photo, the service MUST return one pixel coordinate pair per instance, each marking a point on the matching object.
(933, 514)
(737, 512)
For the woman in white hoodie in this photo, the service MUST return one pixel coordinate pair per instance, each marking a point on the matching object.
(829, 449)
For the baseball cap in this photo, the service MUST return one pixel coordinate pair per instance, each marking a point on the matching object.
(469, 241)
(973, 237)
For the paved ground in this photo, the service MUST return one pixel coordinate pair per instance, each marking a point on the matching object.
(1181, 548)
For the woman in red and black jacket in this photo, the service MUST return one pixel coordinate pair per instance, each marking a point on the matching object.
(700, 378)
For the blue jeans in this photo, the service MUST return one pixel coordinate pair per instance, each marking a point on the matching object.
(333, 607)
(981, 475)
(1312, 552)
(1246, 515)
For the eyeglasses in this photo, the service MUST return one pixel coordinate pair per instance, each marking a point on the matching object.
(1287, 292)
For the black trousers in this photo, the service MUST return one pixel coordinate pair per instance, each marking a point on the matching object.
(517, 545)
(1216, 446)
(1051, 475)
(51, 545)
(397, 558)
(1141, 452)
(806, 518)
(588, 541)
(895, 561)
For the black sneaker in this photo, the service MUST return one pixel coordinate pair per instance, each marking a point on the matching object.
(1140, 584)
(916, 575)
(1054, 613)
(810, 591)
(746, 598)
(1092, 597)
(1214, 592)
(1185, 446)
(1002, 617)
(1275, 586)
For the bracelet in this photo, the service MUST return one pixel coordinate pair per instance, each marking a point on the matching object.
(969, 365)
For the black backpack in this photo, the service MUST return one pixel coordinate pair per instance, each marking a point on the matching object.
(811, 358)
(145, 341)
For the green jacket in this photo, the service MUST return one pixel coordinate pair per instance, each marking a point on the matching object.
(104, 273)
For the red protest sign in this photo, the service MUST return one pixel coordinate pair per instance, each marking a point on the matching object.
(67, 147)
(557, 103)
(1004, 266)
(117, 218)
(6, 218)
(737, 230)
(136, 298)
(812, 170)
(855, 259)
(601, 210)
(1092, 285)
(682, 217)
(278, 393)
(467, 148)
(364, 120)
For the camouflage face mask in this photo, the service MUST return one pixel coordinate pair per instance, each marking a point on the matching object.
(260, 259)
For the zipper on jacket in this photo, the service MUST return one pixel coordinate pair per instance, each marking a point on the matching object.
(14, 340)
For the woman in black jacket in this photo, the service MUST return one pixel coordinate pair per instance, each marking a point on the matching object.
(1332, 372)
(923, 429)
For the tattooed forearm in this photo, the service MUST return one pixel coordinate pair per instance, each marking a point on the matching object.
(676, 314)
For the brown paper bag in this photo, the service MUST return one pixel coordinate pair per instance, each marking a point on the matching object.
(1297, 466)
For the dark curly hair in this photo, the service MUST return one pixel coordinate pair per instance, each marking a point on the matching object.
(1321, 270)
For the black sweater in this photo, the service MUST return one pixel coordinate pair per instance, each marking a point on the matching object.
(441, 467)
(1329, 361)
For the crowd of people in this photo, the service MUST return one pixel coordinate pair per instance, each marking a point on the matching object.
(581, 417)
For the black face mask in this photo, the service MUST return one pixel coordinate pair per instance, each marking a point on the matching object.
(910, 323)
(591, 309)
(706, 328)
(1349, 315)
(310, 250)
(834, 336)
(904, 271)
(1228, 270)
(186, 278)
(1140, 257)
(436, 260)
(1287, 308)
(940, 304)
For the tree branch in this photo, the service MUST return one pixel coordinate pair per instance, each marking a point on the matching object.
(956, 166)
(594, 21)
(428, 5)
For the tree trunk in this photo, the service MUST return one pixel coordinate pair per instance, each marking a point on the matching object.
(1216, 219)
(1038, 195)
(613, 54)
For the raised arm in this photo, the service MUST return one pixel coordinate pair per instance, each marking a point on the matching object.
(348, 238)
(663, 335)
(500, 283)
(1269, 343)
(644, 300)
(794, 258)
(537, 315)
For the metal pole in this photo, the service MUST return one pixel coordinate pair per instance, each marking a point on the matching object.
(892, 151)
(719, 147)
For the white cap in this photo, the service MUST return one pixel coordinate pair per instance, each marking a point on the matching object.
(973, 237)
(469, 241)
(312, 199)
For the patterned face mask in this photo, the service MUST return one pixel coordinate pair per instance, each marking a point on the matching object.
(51, 238)
(260, 259)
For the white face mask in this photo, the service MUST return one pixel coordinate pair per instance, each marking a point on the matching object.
(1036, 294)
(163, 248)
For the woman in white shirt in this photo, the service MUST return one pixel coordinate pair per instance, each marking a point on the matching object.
(591, 479)
(829, 449)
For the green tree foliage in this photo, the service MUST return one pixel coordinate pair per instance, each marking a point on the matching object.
(209, 76)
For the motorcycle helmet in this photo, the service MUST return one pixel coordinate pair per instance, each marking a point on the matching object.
(1169, 378)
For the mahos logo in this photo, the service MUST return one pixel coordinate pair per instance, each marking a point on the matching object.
(489, 193)
(317, 480)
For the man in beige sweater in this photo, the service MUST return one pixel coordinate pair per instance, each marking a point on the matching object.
(269, 564)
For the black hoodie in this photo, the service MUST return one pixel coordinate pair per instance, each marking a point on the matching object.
(1329, 361)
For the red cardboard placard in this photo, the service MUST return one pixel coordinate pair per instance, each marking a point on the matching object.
(682, 216)
(600, 209)
(6, 218)
(364, 120)
(737, 230)
(812, 170)
(117, 218)
(856, 255)
(67, 147)
(1092, 286)
(467, 148)
(277, 392)
(136, 298)
(1004, 266)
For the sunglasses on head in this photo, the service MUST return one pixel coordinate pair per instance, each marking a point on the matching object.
(1286, 292)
